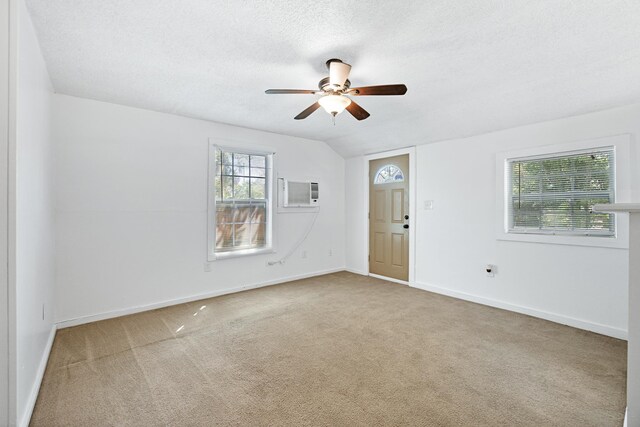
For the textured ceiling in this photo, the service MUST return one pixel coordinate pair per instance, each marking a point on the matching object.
(470, 66)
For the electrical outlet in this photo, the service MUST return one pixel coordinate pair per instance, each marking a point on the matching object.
(304, 254)
(330, 252)
(207, 267)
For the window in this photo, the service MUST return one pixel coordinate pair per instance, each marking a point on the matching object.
(553, 194)
(241, 193)
(387, 174)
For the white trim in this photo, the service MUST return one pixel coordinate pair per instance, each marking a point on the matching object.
(618, 207)
(215, 144)
(11, 212)
(138, 309)
(411, 151)
(389, 279)
(242, 253)
(35, 388)
(553, 317)
(7, 107)
(622, 148)
(355, 271)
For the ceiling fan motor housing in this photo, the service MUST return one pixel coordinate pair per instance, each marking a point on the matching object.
(325, 85)
(329, 61)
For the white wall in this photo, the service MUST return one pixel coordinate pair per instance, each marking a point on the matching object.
(582, 286)
(35, 228)
(132, 204)
(354, 201)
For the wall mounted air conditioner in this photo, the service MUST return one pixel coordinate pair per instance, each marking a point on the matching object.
(300, 194)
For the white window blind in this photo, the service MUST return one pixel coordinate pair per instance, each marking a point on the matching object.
(554, 194)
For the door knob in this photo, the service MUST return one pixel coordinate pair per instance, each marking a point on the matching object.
(405, 226)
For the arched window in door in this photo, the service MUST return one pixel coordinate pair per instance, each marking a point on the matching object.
(388, 174)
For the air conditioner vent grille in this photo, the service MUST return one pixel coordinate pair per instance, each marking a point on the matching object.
(298, 193)
(301, 194)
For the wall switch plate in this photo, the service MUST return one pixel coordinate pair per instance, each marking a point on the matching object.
(207, 267)
(491, 270)
(428, 205)
(330, 252)
(304, 254)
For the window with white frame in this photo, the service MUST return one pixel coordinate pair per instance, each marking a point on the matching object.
(554, 193)
(240, 190)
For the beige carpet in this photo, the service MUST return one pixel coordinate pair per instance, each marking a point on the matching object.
(340, 349)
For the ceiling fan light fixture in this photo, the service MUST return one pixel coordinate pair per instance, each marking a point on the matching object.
(334, 104)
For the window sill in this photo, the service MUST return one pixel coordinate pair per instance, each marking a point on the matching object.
(238, 254)
(618, 242)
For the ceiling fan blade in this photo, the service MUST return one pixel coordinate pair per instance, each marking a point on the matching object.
(289, 91)
(379, 90)
(306, 113)
(338, 73)
(357, 111)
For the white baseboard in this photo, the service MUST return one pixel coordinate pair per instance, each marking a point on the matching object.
(354, 271)
(389, 279)
(557, 318)
(35, 389)
(132, 310)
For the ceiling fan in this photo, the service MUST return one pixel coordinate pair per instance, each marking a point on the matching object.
(335, 91)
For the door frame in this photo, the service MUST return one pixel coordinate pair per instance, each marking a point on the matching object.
(8, 73)
(5, 105)
(411, 151)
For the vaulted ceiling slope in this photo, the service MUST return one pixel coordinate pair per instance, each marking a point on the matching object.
(471, 66)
